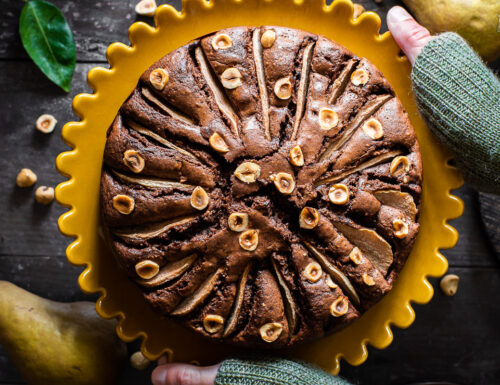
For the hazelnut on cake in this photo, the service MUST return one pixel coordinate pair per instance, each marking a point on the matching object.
(262, 186)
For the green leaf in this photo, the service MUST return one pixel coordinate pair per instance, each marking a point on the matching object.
(47, 38)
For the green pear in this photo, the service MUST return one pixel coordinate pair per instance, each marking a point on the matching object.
(477, 21)
(58, 343)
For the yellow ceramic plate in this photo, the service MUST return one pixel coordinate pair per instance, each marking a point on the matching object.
(82, 165)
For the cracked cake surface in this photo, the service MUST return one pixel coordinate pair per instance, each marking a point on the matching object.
(262, 185)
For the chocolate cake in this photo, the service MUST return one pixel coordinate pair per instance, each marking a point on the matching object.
(261, 185)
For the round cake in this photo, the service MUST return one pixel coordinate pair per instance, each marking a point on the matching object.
(262, 186)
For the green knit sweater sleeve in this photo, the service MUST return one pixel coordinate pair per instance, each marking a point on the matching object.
(272, 371)
(460, 100)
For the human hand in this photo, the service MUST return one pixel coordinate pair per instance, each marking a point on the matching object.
(410, 36)
(183, 374)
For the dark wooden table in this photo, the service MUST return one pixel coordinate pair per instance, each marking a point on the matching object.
(453, 339)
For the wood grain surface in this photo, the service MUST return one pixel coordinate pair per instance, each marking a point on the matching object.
(490, 213)
(453, 339)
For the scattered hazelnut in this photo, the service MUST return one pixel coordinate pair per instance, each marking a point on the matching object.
(238, 221)
(283, 88)
(267, 39)
(368, 279)
(400, 165)
(356, 256)
(133, 161)
(147, 269)
(330, 283)
(199, 198)
(218, 143)
(44, 195)
(296, 156)
(213, 323)
(46, 123)
(309, 218)
(328, 118)
(247, 172)
(138, 361)
(313, 272)
(249, 240)
(358, 10)
(159, 78)
(146, 8)
(400, 227)
(26, 178)
(339, 194)
(284, 182)
(231, 78)
(123, 204)
(373, 128)
(339, 307)
(360, 77)
(449, 284)
(222, 41)
(270, 332)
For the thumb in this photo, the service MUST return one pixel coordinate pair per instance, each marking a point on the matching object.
(183, 374)
(410, 36)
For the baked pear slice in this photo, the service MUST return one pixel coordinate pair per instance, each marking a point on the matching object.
(153, 230)
(399, 200)
(170, 271)
(193, 301)
(153, 182)
(338, 277)
(238, 302)
(290, 308)
(373, 246)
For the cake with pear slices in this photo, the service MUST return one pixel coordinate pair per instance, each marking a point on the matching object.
(261, 185)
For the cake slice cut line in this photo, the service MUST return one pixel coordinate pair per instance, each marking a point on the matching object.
(261, 80)
(145, 132)
(169, 111)
(368, 109)
(370, 163)
(303, 87)
(220, 98)
(202, 292)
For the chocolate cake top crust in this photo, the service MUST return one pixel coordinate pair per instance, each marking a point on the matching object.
(261, 185)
